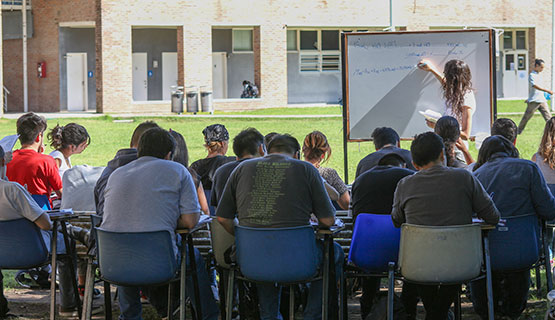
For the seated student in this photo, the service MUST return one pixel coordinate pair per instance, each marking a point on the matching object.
(67, 140)
(386, 140)
(448, 129)
(501, 127)
(373, 193)
(29, 167)
(123, 157)
(289, 199)
(216, 140)
(153, 184)
(17, 203)
(437, 196)
(517, 187)
(248, 144)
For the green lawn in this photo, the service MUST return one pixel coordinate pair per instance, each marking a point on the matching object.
(108, 136)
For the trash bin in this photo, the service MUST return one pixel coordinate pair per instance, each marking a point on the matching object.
(206, 101)
(192, 101)
(177, 99)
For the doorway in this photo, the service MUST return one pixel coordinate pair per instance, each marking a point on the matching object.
(77, 95)
(515, 74)
(219, 75)
(169, 73)
(140, 80)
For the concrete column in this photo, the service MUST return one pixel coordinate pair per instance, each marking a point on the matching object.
(257, 66)
(98, 47)
(180, 58)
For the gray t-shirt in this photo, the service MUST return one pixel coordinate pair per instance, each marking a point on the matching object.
(148, 194)
(535, 95)
(275, 191)
(17, 203)
(547, 172)
(441, 196)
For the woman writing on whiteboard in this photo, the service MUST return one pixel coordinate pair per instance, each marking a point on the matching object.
(460, 102)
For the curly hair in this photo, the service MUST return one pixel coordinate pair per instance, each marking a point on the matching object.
(315, 145)
(61, 137)
(547, 144)
(458, 82)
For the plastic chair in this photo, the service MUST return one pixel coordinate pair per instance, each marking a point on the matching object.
(375, 250)
(441, 255)
(21, 245)
(42, 200)
(221, 241)
(287, 256)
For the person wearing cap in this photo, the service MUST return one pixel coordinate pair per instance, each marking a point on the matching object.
(216, 142)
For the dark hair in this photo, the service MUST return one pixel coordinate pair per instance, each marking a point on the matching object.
(315, 145)
(492, 145)
(269, 137)
(448, 129)
(247, 142)
(156, 142)
(180, 154)
(425, 148)
(383, 136)
(139, 130)
(392, 159)
(538, 62)
(504, 127)
(61, 137)
(458, 81)
(29, 126)
(2, 154)
(284, 143)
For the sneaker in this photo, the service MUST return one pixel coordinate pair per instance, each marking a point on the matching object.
(144, 299)
(96, 292)
(68, 312)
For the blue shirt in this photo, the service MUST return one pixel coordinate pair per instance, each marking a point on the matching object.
(516, 186)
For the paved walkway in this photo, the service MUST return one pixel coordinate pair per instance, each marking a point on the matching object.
(60, 115)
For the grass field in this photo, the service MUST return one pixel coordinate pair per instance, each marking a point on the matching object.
(108, 136)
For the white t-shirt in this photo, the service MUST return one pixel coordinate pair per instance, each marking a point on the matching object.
(17, 203)
(66, 163)
(469, 101)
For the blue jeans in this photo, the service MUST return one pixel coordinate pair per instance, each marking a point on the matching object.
(130, 302)
(269, 293)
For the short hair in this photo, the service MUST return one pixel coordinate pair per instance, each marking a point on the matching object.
(383, 136)
(425, 148)
(139, 130)
(392, 159)
(538, 62)
(156, 142)
(29, 126)
(284, 143)
(269, 137)
(504, 127)
(247, 142)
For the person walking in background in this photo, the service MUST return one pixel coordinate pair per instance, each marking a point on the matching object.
(66, 141)
(536, 97)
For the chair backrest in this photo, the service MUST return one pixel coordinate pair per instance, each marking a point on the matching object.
(208, 194)
(375, 242)
(446, 254)
(282, 255)
(221, 242)
(21, 245)
(136, 258)
(79, 182)
(515, 245)
(42, 200)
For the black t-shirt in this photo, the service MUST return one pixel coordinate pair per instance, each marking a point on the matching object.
(206, 168)
(371, 160)
(373, 191)
(220, 179)
(275, 191)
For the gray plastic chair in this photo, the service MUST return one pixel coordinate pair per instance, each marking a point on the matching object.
(221, 242)
(440, 255)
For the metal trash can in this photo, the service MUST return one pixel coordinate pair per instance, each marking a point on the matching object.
(206, 101)
(192, 101)
(177, 99)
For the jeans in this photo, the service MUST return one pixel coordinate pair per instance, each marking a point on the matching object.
(510, 294)
(436, 299)
(130, 302)
(269, 293)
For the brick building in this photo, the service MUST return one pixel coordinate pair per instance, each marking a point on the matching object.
(123, 56)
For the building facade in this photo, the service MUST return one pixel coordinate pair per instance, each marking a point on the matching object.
(118, 56)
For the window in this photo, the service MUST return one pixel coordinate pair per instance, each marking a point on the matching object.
(508, 40)
(291, 40)
(515, 39)
(521, 39)
(309, 40)
(330, 40)
(242, 41)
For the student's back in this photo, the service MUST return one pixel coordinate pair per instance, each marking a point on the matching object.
(38, 171)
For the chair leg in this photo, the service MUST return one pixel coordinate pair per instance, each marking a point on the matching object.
(54, 253)
(342, 301)
(229, 294)
(291, 302)
(326, 277)
(107, 301)
(221, 292)
(390, 290)
(196, 291)
(489, 286)
(458, 305)
(538, 281)
(70, 253)
(89, 291)
(170, 305)
(182, 285)
(548, 270)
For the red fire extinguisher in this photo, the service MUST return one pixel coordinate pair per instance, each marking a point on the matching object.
(41, 69)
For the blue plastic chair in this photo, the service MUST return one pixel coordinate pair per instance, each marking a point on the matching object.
(278, 255)
(516, 245)
(21, 245)
(42, 200)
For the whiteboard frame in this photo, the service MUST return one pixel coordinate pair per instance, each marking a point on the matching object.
(345, 72)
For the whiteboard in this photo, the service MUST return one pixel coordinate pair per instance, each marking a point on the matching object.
(384, 88)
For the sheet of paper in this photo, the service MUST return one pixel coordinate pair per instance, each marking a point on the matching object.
(8, 142)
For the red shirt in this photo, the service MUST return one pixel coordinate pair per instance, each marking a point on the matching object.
(36, 170)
